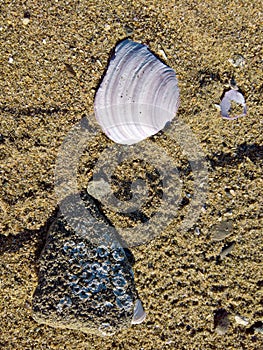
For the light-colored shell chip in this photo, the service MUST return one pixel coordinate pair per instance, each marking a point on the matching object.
(225, 104)
(139, 314)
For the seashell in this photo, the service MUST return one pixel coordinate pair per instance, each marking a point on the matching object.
(138, 313)
(225, 104)
(85, 284)
(137, 96)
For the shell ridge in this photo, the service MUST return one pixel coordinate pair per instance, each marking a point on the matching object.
(138, 96)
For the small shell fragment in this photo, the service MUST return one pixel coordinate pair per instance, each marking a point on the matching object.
(139, 314)
(241, 320)
(225, 104)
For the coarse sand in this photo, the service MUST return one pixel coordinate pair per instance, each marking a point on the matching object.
(53, 54)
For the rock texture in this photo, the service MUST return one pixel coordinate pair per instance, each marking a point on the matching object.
(85, 280)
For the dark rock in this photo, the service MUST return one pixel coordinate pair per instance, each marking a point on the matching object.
(85, 279)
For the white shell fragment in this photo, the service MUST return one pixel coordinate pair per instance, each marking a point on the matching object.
(225, 105)
(139, 314)
(241, 320)
(138, 95)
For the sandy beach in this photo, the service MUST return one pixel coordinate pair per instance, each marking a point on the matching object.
(200, 284)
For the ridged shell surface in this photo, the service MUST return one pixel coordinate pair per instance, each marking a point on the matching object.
(138, 94)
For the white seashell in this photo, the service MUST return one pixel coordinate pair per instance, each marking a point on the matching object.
(138, 313)
(138, 94)
(225, 104)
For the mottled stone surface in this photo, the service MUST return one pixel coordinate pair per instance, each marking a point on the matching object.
(85, 283)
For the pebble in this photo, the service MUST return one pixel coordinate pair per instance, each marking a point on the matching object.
(25, 21)
(162, 54)
(222, 230)
(221, 321)
(85, 279)
(107, 26)
(233, 193)
(197, 231)
(258, 329)
(237, 60)
(128, 29)
(227, 250)
(99, 189)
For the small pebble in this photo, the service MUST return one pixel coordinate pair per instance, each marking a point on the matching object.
(241, 320)
(203, 209)
(107, 26)
(257, 327)
(70, 69)
(10, 60)
(222, 230)
(258, 330)
(232, 192)
(228, 213)
(99, 189)
(128, 29)
(26, 18)
(25, 21)
(237, 60)
(227, 250)
(221, 321)
(99, 63)
(197, 231)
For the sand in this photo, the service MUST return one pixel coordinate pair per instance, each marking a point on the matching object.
(53, 54)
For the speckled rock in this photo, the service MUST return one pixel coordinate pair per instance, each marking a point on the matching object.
(84, 283)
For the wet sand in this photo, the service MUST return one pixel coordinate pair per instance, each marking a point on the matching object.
(52, 58)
